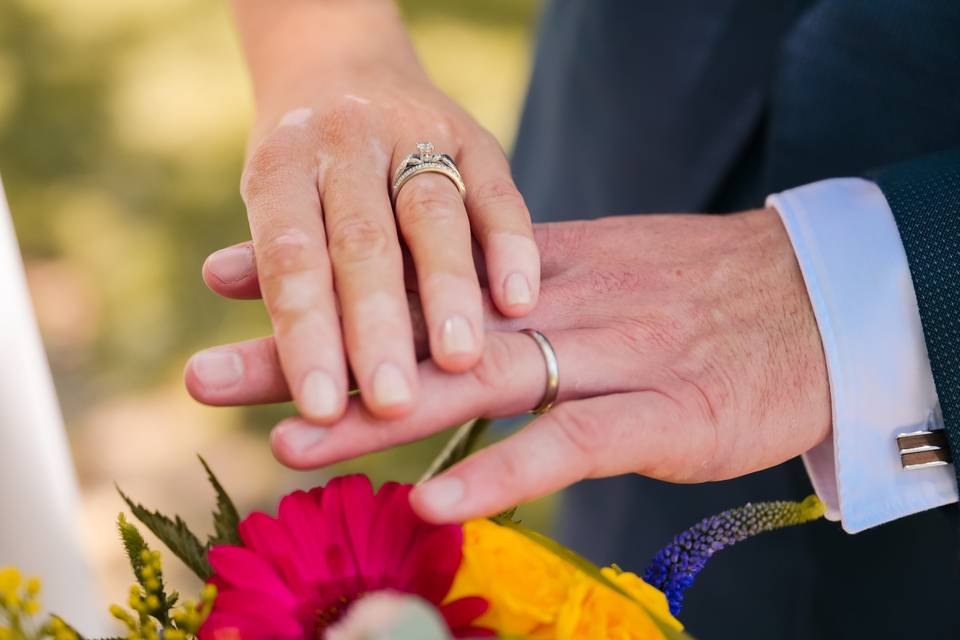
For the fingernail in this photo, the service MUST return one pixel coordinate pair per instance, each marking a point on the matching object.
(457, 336)
(517, 290)
(390, 386)
(442, 494)
(217, 368)
(318, 396)
(231, 264)
(302, 437)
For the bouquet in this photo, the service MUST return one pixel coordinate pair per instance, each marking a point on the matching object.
(347, 562)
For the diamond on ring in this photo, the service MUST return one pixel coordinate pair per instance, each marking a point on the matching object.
(425, 149)
(427, 160)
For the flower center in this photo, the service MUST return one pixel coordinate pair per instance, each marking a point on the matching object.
(333, 613)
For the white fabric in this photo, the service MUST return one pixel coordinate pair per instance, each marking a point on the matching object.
(858, 278)
(39, 524)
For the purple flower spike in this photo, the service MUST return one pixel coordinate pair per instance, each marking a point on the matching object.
(675, 567)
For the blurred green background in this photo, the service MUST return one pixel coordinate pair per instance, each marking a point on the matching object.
(122, 129)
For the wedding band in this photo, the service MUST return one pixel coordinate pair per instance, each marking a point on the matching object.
(425, 160)
(553, 371)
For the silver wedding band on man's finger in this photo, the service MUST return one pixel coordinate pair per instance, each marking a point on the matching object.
(553, 371)
(426, 161)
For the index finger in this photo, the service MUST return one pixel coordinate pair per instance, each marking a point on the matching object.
(592, 438)
(280, 190)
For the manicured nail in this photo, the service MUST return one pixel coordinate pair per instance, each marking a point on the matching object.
(516, 290)
(217, 368)
(442, 495)
(302, 437)
(318, 396)
(231, 264)
(457, 336)
(390, 386)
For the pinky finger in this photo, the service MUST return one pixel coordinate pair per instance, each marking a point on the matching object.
(501, 223)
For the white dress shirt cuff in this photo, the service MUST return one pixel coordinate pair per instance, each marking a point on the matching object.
(858, 279)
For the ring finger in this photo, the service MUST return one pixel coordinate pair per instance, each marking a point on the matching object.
(510, 378)
(433, 220)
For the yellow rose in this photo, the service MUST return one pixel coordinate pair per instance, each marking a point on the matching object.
(536, 594)
(595, 612)
(646, 594)
(524, 583)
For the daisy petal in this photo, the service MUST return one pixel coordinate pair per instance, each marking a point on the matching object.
(463, 611)
(391, 533)
(357, 511)
(432, 562)
(256, 606)
(309, 531)
(268, 538)
(240, 567)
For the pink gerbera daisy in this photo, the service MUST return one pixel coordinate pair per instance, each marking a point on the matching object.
(297, 574)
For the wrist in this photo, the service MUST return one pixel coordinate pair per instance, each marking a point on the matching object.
(797, 375)
(334, 41)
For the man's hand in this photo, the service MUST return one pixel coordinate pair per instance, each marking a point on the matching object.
(341, 100)
(688, 352)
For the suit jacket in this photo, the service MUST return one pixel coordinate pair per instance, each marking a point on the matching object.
(709, 106)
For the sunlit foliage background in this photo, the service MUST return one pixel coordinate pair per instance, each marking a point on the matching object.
(122, 128)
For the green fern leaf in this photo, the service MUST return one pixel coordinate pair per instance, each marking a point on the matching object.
(506, 517)
(226, 519)
(175, 535)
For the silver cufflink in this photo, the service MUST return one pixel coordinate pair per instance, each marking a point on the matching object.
(923, 449)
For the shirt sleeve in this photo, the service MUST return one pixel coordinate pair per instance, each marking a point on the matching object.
(858, 279)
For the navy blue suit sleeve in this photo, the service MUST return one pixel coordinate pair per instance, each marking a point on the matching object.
(924, 195)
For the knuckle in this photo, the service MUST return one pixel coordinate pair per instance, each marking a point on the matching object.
(496, 363)
(614, 280)
(509, 467)
(485, 140)
(652, 332)
(340, 119)
(284, 253)
(426, 200)
(265, 170)
(561, 238)
(355, 239)
(500, 193)
(578, 431)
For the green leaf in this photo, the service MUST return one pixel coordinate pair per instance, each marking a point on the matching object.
(226, 519)
(592, 570)
(175, 535)
(506, 517)
(459, 446)
(172, 600)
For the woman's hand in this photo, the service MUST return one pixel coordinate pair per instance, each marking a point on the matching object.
(688, 352)
(341, 99)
